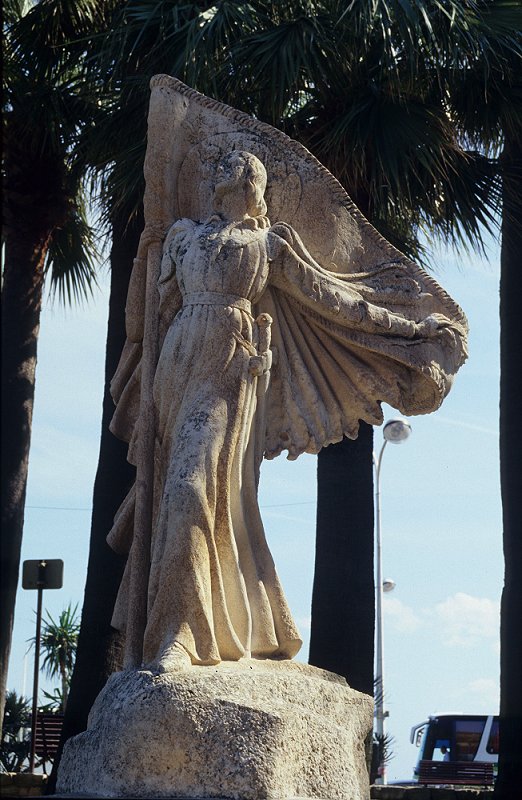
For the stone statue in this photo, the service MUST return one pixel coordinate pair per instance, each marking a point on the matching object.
(264, 314)
(231, 282)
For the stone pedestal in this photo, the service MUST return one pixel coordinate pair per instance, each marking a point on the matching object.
(248, 730)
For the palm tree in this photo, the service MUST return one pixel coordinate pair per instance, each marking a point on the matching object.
(407, 171)
(100, 650)
(501, 122)
(510, 756)
(59, 641)
(45, 234)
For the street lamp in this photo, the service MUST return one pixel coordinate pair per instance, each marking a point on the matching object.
(394, 431)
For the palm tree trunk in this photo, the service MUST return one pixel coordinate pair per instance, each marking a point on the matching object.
(343, 597)
(99, 651)
(343, 606)
(21, 306)
(510, 757)
(35, 202)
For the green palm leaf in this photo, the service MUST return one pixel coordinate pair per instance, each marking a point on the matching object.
(59, 640)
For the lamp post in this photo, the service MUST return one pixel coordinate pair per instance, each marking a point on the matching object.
(394, 431)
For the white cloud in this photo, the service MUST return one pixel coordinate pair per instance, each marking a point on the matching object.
(472, 426)
(487, 692)
(401, 617)
(268, 514)
(466, 620)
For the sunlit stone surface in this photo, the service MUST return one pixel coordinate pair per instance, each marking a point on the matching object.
(247, 730)
(264, 314)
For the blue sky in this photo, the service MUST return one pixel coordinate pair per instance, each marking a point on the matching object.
(441, 511)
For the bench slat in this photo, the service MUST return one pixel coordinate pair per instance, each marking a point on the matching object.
(48, 733)
(456, 772)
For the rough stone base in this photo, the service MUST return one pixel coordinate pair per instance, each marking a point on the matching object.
(251, 730)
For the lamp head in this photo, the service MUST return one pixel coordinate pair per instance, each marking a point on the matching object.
(396, 430)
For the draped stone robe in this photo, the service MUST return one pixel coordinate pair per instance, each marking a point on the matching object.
(343, 344)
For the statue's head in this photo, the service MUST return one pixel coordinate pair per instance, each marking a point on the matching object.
(241, 179)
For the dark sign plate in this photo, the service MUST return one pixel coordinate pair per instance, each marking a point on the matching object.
(42, 573)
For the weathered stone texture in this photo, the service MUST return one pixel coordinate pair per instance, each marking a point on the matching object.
(249, 730)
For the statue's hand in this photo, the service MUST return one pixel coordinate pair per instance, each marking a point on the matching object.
(150, 234)
(258, 365)
(433, 324)
(255, 365)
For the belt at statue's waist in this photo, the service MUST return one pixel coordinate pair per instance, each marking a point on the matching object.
(217, 299)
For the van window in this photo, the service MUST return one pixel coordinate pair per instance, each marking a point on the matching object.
(468, 733)
(439, 733)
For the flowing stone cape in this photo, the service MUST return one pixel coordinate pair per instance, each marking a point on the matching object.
(346, 324)
(355, 323)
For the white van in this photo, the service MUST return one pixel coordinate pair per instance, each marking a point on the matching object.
(457, 749)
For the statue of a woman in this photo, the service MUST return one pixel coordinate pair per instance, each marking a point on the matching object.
(343, 344)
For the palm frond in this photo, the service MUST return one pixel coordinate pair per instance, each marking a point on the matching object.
(54, 702)
(71, 259)
(59, 641)
(386, 94)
